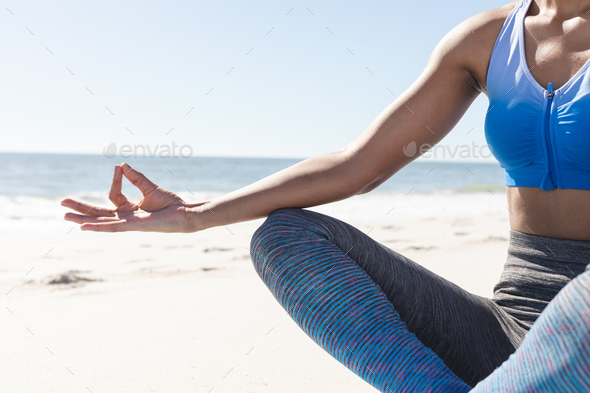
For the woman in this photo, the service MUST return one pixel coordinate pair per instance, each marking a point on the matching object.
(388, 319)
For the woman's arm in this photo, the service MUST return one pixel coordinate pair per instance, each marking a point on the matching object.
(423, 114)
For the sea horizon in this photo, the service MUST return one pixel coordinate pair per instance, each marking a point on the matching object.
(32, 184)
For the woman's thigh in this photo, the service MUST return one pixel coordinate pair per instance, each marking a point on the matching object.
(471, 334)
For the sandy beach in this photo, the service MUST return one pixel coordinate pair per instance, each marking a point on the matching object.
(249, 89)
(148, 312)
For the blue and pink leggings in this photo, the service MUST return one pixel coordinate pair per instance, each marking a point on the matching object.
(402, 328)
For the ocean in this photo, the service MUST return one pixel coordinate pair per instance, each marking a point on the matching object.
(31, 185)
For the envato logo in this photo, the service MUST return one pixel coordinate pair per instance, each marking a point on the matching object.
(465, 151)
(164, 151)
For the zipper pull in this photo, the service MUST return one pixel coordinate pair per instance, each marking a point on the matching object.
(550, 92)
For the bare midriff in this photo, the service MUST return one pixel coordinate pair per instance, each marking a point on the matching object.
(559, 213)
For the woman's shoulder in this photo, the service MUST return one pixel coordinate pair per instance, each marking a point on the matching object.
(473, 40)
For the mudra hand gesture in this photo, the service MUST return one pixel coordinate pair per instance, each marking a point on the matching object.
(158, 211)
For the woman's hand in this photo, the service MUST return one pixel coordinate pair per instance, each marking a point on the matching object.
(158, 211)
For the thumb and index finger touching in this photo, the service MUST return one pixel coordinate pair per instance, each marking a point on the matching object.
(136, 178)
(103, 219)
(116, 196)
(115, 193)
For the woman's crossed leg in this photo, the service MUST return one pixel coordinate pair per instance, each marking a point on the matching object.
(391, 321)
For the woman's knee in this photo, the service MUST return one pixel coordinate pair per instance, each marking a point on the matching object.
(263, 239)
(271, 224)
(288, 221)
(284, 237)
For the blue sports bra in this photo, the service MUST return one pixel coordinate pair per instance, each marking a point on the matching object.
(540, 137)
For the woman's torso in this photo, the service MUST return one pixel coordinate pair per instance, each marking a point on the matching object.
(556, 48)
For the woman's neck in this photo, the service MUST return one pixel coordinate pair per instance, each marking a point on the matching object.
(562, 9)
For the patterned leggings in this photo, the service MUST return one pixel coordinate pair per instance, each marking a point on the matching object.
(403, 328)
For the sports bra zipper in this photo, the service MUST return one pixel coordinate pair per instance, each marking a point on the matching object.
(550, 95)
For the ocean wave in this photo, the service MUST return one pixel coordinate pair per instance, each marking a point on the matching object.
(482, 187)
(26, 213)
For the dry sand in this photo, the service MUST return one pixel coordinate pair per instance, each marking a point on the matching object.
(145, 312)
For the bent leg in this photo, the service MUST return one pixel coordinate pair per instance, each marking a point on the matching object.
(341, 308)
(555, 355)
(471, 334)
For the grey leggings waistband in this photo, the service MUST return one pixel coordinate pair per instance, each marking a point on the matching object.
(536, 269)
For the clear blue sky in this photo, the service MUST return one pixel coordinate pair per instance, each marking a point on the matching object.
(299, 92)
